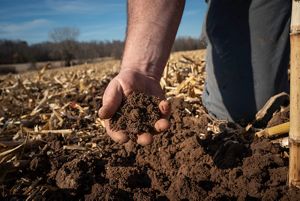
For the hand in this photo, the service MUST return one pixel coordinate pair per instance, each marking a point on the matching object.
(123, 84)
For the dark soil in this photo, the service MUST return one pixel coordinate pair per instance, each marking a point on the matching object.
(187, 162)
(137, 114)
(280, 117)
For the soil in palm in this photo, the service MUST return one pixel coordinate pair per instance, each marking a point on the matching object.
(137, 114)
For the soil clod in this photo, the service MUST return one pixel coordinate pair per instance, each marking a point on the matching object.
(137, 114)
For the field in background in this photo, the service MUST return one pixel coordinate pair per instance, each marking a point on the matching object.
(101, 63)
(25, 67)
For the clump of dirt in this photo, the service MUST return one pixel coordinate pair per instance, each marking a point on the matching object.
(280, 117)
(76, 174)
(137, 114)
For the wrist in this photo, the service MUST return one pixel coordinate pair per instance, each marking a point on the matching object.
(147, 56)
(145, 68)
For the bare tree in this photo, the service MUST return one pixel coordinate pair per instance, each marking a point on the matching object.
(61, 34)
(66, 38)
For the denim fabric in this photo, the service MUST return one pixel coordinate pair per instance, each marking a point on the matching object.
(247, 56)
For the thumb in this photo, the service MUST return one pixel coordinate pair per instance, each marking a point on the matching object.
(112, 99)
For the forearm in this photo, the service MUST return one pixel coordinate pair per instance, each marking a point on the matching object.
(151, 30)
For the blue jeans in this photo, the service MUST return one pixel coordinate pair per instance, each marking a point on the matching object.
(247, 56)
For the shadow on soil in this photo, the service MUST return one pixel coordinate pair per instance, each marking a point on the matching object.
(228, 149)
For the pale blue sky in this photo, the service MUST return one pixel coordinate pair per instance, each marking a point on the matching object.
(31, 20)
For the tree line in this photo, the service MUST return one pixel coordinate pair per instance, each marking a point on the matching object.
(68, 49)
(12, 52)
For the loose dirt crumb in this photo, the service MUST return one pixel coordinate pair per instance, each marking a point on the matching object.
(280, 117)
(137, 114)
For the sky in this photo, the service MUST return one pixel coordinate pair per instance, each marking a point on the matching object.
(32, 20)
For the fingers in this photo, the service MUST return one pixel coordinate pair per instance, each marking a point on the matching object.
(122, 137)
(117, 136)
(162, 125)
(145, 139)
(112, 99)
(165, 108)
